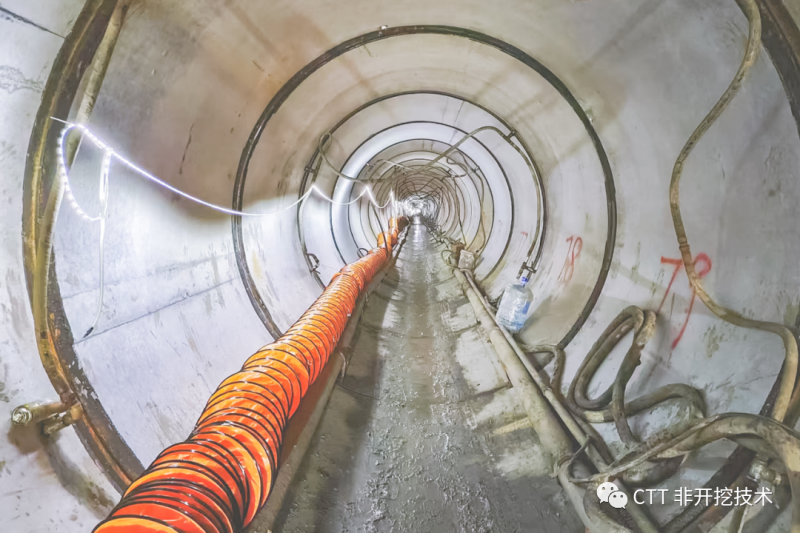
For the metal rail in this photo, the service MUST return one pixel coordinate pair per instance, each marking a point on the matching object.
(88, 47)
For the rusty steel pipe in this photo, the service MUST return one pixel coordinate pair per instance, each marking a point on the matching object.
(217, 480)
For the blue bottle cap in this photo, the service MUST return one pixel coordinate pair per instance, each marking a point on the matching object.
(524, 280)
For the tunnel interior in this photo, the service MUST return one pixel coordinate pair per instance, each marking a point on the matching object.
(233, 157)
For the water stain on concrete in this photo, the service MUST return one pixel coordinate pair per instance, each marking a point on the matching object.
(208, 304)
(165, 423)
(12, 80)
(712, 338)
(4, 397)
(17, 313)
(791, 314)
(638, 262)
(95, 498)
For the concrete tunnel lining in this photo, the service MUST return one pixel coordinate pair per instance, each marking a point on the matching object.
(386, 105)
(769, 135)
(494, 172)
(470, 186)
(414, 107)
(411, 154)
(318, 83)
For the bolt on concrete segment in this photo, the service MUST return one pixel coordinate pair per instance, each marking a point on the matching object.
(424, 433)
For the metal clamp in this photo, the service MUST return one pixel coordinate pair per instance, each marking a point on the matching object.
(313, 259)
(52, 415)
(526, 268)
(761, 472)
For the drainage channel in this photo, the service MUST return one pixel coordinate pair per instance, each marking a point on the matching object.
(424, 432)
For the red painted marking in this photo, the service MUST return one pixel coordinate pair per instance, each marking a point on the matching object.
(701, 270)
(573, 253)
(678, 263)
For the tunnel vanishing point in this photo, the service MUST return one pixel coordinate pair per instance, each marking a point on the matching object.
(253, 254)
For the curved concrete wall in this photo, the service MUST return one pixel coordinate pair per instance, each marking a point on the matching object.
(45, 485)
(188, 82)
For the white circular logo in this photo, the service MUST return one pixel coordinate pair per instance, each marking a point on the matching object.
(605, 490)
(618, 500)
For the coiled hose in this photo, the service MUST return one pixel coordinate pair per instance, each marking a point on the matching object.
(783, 402)
(610, 406)
(216, 480)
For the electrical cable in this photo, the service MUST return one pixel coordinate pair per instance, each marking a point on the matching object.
(103, 194)
(427, 170)
(323, 139)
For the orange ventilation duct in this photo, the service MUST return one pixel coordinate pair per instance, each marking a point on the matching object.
(387, 239)
(396, 225)
(218, 479)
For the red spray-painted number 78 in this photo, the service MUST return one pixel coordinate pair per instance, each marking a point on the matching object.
(702, 265)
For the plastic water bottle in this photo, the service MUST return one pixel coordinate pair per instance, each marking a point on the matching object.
(513, 309)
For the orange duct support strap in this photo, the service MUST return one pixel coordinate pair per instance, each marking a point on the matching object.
(398, 224)
(387, 239)
(218, 479)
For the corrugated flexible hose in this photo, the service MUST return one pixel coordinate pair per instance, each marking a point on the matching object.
(216, 480)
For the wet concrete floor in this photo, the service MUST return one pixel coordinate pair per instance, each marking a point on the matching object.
(424, 432)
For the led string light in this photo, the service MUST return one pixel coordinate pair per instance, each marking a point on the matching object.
(112, 154)
(109, 155)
